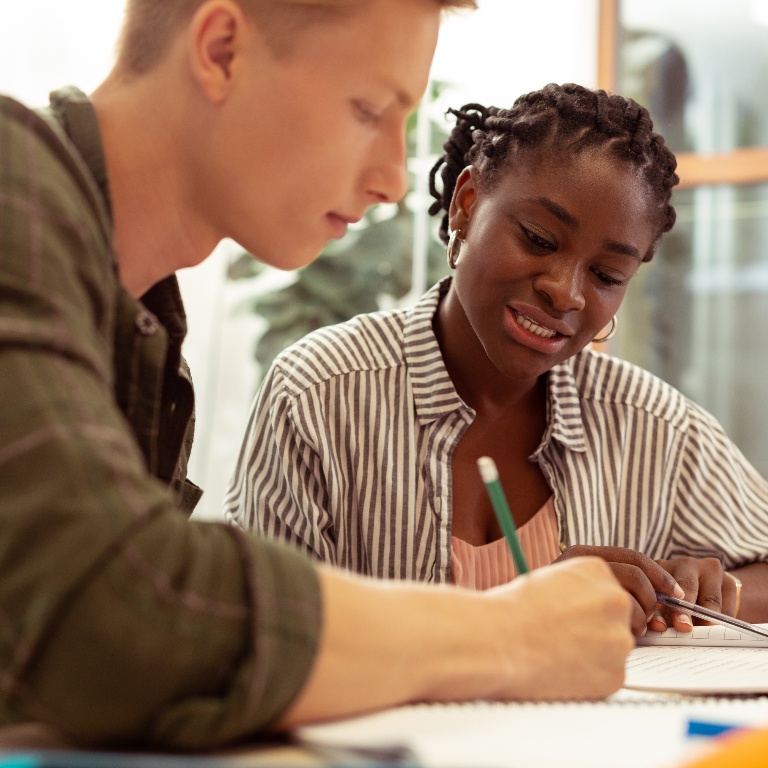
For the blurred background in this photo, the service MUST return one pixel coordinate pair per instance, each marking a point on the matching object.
(694, 315)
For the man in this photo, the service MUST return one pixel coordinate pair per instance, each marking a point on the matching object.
(276, 124)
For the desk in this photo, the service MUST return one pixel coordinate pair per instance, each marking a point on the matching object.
(632, 730)
(22, 738)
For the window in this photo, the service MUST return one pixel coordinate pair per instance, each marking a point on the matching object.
(694, 315)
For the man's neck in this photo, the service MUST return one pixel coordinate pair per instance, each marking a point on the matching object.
(156, 232)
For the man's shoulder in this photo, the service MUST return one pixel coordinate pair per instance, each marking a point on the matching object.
(32, 126)
(37, 157)
(11, 108)
(58, 260)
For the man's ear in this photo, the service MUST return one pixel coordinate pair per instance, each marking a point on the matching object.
(215, 45)
(463, 200)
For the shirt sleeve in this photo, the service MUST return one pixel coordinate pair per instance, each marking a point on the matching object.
(279, 487)
(120, 620)
(721, 500)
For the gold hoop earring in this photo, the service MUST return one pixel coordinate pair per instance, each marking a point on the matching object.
(610, 334)
(454, 248)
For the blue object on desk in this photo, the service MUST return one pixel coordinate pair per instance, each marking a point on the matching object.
(18, 761)
(701, 728)
(62, 758)
(55, 758)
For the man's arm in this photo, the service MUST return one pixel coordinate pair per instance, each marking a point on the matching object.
(558, 633)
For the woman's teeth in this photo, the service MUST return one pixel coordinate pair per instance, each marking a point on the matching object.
(529, 325)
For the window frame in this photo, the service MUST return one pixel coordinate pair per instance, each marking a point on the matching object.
(746, 165)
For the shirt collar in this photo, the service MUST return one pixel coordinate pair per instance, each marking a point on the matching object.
(433, 391)
(435, 395)
(564, 420)
(77, 116)
(75, 113)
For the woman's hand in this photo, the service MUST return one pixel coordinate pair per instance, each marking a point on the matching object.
(642, 577)
(705, 583)
(697, 580)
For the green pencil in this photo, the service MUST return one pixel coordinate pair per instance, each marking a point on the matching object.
(490, 476)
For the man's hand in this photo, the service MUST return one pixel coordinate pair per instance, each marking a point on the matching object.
(560, 632)
(569, 630)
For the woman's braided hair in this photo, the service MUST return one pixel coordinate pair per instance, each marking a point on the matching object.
(568, 118)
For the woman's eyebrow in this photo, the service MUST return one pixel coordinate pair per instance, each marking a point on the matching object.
(556, 210)
(571, 221)
(622, 248)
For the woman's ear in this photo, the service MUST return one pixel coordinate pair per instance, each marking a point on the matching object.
(463, 200)
(215, 45)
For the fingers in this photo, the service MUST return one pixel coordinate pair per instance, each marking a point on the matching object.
(704, 582)
(661, 580)
(640, 576)
(639, 587)
(697, 580)
(574, 618)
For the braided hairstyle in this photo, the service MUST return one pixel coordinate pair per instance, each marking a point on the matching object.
(567, 118)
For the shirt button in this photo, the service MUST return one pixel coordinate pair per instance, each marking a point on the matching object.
(146, 323)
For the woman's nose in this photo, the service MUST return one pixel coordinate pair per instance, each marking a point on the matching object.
(563, 288)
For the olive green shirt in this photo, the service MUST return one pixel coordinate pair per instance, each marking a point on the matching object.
(120, 619)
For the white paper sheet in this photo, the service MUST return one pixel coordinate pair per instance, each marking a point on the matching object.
(646, 732)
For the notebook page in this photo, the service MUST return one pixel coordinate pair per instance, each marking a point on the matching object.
(715, 634)
(643, 733)
(696, 670)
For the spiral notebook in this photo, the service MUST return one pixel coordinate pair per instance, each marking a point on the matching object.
(629, 730)
(711, 659)
(677, 685)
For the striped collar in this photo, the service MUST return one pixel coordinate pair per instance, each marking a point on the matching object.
(435, 395)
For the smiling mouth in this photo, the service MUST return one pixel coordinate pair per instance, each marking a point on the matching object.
(525, 322)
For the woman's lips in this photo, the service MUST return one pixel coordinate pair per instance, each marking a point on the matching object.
(534, 327)
(527, 331)
(541, 318)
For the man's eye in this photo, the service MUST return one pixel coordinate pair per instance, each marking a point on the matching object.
(367, 113)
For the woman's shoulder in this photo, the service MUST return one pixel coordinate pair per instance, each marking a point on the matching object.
(603, 378)
(365, 342)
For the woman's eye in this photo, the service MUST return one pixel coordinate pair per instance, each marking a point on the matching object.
(609, 280)
(538, 240)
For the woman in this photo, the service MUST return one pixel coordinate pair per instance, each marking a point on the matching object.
(550, 208)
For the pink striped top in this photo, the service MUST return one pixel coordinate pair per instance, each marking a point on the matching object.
(491, 564)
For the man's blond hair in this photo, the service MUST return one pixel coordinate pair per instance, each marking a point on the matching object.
(149, 25)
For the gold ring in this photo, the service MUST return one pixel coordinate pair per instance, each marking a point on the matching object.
(737, 582)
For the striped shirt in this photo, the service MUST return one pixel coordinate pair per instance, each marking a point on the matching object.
(349, 443)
